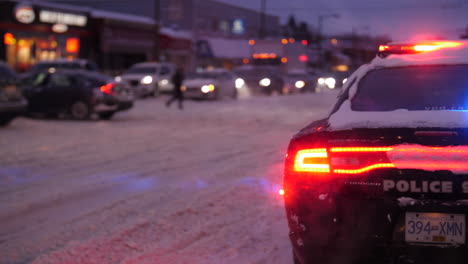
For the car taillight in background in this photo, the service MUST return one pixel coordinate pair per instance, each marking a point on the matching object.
(108, 88)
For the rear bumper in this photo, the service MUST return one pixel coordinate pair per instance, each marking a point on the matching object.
(329, 228)
(112, 104)
(13, 108)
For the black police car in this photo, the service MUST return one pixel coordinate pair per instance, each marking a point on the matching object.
(12, 103)
(78, 93)
(384, 178)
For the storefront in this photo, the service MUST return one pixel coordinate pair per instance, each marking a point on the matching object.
(36, 32)
(123, 40)
(176, 47)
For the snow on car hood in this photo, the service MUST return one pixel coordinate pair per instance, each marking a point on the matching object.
(345, 118)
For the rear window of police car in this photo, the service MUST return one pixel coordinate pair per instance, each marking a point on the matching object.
(434, 87)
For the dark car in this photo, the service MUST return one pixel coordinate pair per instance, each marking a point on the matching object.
(299, 82)
(77, 64)
(77, 93)
(261, 79)
(384, 178)
(12, 103)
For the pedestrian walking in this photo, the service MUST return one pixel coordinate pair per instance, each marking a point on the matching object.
(177, 93)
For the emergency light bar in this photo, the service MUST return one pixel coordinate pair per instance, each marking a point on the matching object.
(385, 50)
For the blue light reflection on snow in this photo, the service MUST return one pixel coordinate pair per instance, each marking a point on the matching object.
(134, 182)
(16, 176)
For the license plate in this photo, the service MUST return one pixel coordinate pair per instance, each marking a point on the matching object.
(435, 228)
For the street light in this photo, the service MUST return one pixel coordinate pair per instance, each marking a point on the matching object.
(321, 19)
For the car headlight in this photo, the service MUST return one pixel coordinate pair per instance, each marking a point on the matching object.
(240, 83)
(265, 82)
(330, 82)
(321, 81)
(118, 79)
(164, 82)
(207, 88)
(147, 80)
(299, 84)
(344, 80)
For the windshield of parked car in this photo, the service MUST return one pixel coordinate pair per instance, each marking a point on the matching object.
(440, 87)
(142, 70)
(204, 75)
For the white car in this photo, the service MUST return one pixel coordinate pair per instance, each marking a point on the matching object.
(211, 84)
(149, 78)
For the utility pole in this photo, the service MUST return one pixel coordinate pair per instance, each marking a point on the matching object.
(261, 33)
(157, 25)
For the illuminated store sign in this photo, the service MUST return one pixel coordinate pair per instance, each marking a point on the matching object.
(53, 17)
(238, 26)
(24, 14)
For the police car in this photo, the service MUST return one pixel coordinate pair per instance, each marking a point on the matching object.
(384, 178)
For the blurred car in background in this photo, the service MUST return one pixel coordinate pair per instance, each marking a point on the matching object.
(261, 80)
(78, 64)
(12, 103)
(149, 78)
(77, 93)
(332, 80)
(211, 84)
(299, 82)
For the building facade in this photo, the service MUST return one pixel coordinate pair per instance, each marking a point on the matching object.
(191, 33)
(33, 32)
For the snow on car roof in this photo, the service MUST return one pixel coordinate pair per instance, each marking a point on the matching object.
(345, 118)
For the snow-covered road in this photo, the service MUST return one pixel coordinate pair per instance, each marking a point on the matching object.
(154, 185)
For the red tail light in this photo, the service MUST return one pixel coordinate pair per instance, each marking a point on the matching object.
(357, 160)
(108, 88)
(342, 160)
(312, 160)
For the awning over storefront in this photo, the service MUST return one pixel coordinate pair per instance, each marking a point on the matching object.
(175, 39)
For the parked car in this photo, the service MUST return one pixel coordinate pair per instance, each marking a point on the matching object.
(12, 103)
(210, 84)
(299, 82)
(79, 64)
(149, 78)
(77, 93)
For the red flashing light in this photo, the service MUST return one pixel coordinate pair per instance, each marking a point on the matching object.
(418, 48)
(303, 58)
(73, 45)
(9, 39)
(107, 89)
(305, 42)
